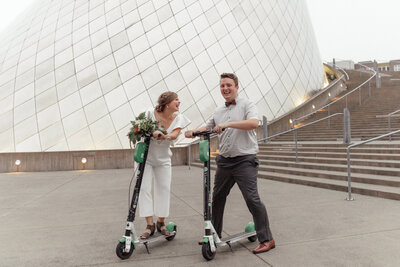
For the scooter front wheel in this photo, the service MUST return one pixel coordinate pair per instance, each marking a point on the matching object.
(207, 253)
(121, 253)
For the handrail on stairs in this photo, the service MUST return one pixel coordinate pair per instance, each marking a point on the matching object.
(294, 130)
(188, 146)
(347, 75)
(389, 122)
(349, 197)
(344, 96)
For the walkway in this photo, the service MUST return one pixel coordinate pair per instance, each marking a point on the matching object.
(76, 218)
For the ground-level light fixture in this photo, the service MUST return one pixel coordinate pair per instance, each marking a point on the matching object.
(329, 94)
(290, 121)
(313, 106)
(84, 160)
(17, 162)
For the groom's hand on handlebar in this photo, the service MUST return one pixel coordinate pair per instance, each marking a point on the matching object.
(189, 134)
(221, 127)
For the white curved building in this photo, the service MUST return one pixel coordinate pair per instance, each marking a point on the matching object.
(73, 73)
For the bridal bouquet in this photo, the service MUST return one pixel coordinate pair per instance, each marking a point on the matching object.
(143, 126)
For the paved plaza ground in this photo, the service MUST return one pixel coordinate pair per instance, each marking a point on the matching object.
(76, 218)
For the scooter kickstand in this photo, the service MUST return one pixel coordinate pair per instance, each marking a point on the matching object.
(147, 248)
(229, 244)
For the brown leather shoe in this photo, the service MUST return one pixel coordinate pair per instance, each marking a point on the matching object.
(264, 247)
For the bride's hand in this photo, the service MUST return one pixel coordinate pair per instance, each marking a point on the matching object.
(158, 135)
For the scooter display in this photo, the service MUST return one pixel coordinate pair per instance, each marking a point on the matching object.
(127, 244)
(211, 239)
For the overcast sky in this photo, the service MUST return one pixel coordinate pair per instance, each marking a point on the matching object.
(10, 9)
(345, 29)
(357, 29)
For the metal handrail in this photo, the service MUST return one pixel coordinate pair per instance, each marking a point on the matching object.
(294, 130)
(337, 67)
(347, 75)
(344, 96)
(307, 115)
(349, 197)
(188, 145)
(389, 122)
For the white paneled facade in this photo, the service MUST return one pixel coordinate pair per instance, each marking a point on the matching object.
(73, 73)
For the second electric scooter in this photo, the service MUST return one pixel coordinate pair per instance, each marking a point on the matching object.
(211, 240)
(130, 239)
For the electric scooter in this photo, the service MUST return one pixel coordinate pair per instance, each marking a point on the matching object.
(127, 244)
(211, 240)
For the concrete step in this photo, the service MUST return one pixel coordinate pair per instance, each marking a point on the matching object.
(375, 170)
(363, 187)
(330, 139)
(363, 162)
(367, 128)
(358, 188)
(369, 178)
(328, 144)
(377, 156)
(384, 150)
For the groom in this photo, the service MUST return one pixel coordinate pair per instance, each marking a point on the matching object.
(237, 161)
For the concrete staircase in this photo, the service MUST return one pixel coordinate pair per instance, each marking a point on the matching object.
(375, 169)
(363, 119)
(322, 157)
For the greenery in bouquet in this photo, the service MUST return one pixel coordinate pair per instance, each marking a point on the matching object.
(143, 126)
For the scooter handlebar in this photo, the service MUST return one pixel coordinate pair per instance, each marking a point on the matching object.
(206, 132)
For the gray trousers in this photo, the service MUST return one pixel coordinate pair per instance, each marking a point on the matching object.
(242, 170)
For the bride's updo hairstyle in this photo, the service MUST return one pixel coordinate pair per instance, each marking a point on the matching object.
(164, 99)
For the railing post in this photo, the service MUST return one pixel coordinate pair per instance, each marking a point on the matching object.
(346, 127)
(349, 197)
(378, 80)
(346, 101)
(369, 88)
(265, 128)
(359, 95)
(295, 141)
(329, 118)
(189, 155)
(390, 127)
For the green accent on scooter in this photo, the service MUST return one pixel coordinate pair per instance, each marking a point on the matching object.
(171, 226)
(204, 150)
(250, 227)
(123, 240)
(205, 239)
(140, 148)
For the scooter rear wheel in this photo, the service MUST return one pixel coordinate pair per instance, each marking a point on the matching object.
(170, 238)
(171, 227)
(207, 253)
(121, 253)
(252, 238)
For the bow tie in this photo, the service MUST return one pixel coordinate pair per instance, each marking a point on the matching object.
(233, 102)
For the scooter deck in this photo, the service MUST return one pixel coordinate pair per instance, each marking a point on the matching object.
(154, 238)
(236, 237)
